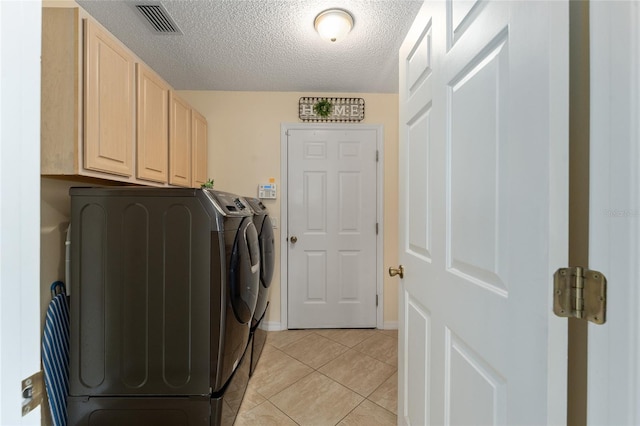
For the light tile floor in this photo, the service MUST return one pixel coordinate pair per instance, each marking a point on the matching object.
(324, 377)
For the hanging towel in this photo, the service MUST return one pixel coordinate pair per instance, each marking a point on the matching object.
(55, 353)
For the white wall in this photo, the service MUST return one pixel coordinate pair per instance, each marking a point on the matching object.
(19, 204)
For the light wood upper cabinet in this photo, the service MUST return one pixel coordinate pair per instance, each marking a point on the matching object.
(179, 142)
(106, 115)
(187, 144)
(61, 108)
(152, 119)
(109, 103)
(87, 99)
(199, 140)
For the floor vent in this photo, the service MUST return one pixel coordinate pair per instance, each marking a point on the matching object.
(157, 16)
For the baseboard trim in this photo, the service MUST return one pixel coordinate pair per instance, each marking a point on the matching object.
(271, 325)
(390, 325)
(277, 326)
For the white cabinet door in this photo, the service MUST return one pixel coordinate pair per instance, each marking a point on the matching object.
(332, 228)
(483, 213)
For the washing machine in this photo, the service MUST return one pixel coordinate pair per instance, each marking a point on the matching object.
(243, 260)
(266, 240)
(164, 284)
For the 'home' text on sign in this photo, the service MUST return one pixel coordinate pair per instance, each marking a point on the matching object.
(342, 110)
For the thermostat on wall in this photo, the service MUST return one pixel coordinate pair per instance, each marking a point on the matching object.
(267, 190)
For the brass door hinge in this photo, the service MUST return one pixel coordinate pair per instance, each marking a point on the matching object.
(33, 392)
(580, 293)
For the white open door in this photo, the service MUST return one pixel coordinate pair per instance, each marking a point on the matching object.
(20, 41)
(483, 213)
(613, 390)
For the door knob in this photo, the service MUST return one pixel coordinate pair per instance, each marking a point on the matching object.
(396, 271)
(294, 239)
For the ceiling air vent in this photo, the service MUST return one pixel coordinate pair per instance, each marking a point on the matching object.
(158, 18)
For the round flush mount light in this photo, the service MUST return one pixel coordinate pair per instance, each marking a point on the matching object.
(333, 24)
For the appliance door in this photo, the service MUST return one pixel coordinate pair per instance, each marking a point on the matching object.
(267, 261)
(267, 252)
(243, 283)
(244, 269)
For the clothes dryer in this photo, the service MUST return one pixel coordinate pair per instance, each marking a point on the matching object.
(266, 240)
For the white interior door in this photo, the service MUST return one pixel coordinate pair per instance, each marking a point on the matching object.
(613, 390)
(331, 228)
(483, 218)
(20, 327)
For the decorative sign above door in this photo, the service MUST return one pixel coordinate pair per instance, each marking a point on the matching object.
(331, 110)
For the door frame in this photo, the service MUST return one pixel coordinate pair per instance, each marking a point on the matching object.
(284, 201)
(613, 372)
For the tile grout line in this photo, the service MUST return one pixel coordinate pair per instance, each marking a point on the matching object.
(364, 398)
(276, 407)
(288, 386)
(288, 416)
(319, 335)
(385, 409)
(352, 410)
(314, 369)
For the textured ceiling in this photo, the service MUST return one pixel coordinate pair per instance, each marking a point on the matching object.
(265, 45)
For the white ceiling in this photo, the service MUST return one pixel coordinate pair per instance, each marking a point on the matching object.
(265, 45)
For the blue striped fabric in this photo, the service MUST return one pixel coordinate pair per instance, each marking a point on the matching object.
(55, 355)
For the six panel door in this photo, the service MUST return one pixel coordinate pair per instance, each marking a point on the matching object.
(332, 228)
(483, 213)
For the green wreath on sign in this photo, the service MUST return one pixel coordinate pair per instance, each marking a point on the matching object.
(322, 108)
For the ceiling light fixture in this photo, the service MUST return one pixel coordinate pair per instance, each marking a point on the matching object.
(333, 24)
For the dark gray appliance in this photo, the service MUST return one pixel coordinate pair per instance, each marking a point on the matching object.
(267, 263)
(164, 283)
